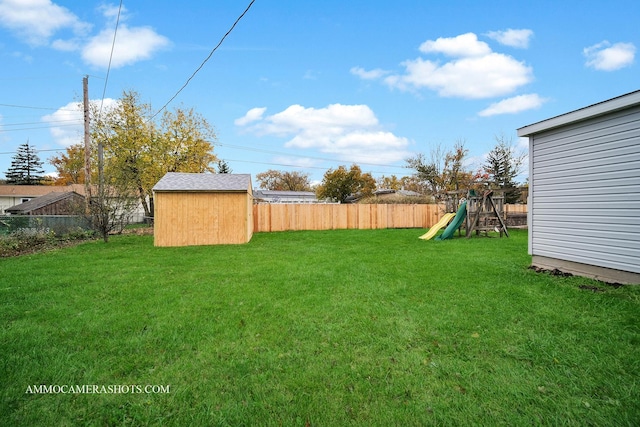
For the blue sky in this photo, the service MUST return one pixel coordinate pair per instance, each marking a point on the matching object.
(308, 86)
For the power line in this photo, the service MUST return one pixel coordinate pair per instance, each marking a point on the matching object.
(113, 44)
(37, 151)
(36, 108)
(37, 123)
(301, 167)
(271, 163)
(260, 150)
(39, 127)
(66, 77)
(205, 61)
(58, 150)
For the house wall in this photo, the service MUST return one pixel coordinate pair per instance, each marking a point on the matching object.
(202, 218)
(584, 201)
(7, 202)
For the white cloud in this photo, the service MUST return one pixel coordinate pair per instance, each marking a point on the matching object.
(352, 133)
(111, 11)
(464, 45)
(67, 123)
(514, 105)
(474, 77)
(473, 72)
(513, 38)
(368, 75)
(334, 119)
(36, 21)
(66, 45)
(132, 45)
(607, 57)
(252, 115)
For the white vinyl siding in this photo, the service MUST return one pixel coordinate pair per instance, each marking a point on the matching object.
(585, 191)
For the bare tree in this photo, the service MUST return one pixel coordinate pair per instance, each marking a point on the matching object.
(110, 210)
(444, 171)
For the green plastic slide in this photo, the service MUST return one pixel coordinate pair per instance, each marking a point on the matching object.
(442, 223)
(455, 224)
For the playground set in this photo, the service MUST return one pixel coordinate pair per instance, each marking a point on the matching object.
(476, 213)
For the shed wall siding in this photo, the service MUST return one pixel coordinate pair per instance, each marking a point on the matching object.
(585, 193)
(248, 200)
(201, 218)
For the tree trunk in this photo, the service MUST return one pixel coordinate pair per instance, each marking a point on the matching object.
(143, 199)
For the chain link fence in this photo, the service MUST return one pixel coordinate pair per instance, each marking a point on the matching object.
(58, 224)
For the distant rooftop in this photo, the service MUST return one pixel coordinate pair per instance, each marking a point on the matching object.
(178, 181)
(10, 190)
(42, 201)
(282, 193)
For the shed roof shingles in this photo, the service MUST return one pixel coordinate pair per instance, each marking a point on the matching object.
(178, 181)
(42, 201)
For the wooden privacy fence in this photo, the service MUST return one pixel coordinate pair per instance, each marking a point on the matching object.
(282, 217)
(514, 209)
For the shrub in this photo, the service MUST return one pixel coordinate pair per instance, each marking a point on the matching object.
(28, 240)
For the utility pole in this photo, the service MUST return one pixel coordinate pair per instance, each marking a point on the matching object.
(87, 141)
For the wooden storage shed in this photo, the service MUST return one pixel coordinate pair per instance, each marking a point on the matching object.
(584, 190)
(54, 203)
(202, 209)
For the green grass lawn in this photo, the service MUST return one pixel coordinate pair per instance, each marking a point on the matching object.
(349, 327)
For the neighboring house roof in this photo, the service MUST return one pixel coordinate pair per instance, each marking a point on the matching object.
(282, 193)
(37, 190)
(41, 201)
(284, 196)
(407, 193)
(384, 192)
(178, 181)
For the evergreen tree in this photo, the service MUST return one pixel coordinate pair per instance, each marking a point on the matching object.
(223, 166)
(503, 165)
(26, 167)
